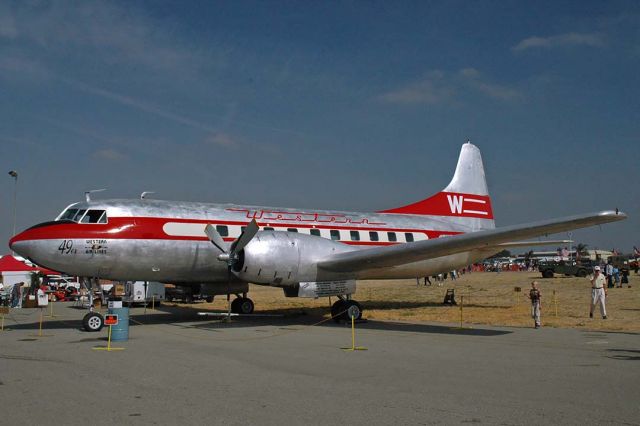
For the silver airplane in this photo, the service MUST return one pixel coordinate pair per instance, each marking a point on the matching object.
(308, 253)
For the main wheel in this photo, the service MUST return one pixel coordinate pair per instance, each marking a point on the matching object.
(337, 310)
(242, 305)
(93, 321)
(548, 273)
(353, 309)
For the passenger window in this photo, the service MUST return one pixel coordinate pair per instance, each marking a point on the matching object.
(392, 237)
(95, 216)
(292, 230)
(355, 235)
(69, 214)
(315, 232)
(268, 228)
(373, 236)
(335, 235)
(408, 236)
(223, 230)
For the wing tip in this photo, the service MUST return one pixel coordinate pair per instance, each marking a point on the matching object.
(613, 214)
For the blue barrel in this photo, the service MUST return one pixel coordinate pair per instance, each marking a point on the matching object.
(120, 332)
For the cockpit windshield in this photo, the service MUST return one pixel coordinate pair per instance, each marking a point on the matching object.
(84, 216)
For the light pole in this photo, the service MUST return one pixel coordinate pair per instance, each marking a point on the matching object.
(14, 174)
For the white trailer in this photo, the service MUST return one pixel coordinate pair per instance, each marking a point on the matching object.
(143, 292)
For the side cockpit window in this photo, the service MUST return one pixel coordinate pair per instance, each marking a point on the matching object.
(78, 215)
(84, 216)
(69, 214)
(95, 216)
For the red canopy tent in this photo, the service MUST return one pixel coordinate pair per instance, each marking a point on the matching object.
(8, 263)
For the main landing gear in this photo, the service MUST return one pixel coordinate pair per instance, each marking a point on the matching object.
(242, 305)
(345, 308)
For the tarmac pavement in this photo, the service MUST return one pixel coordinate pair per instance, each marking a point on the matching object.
(178, 368)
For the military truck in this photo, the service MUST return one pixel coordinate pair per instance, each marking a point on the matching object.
(565, 267)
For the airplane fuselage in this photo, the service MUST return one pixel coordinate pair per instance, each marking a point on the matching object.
(165, 241)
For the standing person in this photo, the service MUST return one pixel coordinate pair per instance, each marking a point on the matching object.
(608, 269)
(598, 292)
(535, 295)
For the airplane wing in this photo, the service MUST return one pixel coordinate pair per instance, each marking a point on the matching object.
(534, 243)
(421, 250)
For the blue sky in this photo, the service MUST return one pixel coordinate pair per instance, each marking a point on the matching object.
(336, 105)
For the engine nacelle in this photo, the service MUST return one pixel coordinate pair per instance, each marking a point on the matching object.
(283, 258)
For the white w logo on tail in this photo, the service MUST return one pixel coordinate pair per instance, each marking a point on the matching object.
(455, 203)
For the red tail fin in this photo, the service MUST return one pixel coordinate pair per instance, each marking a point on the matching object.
(466, 195)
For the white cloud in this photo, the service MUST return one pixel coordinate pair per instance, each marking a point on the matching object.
(222, 139)
(438, 87)
(140, 105)
(432, 89)
(109, 155)
(472, 78)
(23, 67)
(560, 40)
(7, 23)
(114, 35)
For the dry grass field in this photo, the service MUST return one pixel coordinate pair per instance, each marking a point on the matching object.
(489, 298)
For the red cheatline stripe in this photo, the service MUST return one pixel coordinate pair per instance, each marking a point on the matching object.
(149, 228)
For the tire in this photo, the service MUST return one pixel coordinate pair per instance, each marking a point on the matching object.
(234, 305)
(93, 322)
(337, 310)
(188, 298)
(581, 273)
(245, 306)
(547, 273)
(209, 299)
(353, 309)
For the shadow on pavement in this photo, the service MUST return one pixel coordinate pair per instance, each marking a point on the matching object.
(187, 317)
(625, 354)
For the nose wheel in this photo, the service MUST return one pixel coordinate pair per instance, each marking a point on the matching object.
(92, 322)
(345, 309)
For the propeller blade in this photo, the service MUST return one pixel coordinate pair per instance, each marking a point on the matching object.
(249, 232)
(215, 237)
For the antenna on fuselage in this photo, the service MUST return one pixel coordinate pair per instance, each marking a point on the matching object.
(144, 194)
(87, 194)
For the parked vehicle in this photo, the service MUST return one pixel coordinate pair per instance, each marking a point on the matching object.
(187, 294)
(143, 292)
(565, 267)
(68, 293)
(62, 281)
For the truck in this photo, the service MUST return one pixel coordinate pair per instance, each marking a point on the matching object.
(565, 267)
(143, 292)
(187, 294)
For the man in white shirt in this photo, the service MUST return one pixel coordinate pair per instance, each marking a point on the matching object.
(598, 292)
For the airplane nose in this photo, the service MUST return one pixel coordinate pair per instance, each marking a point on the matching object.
(20, 245)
